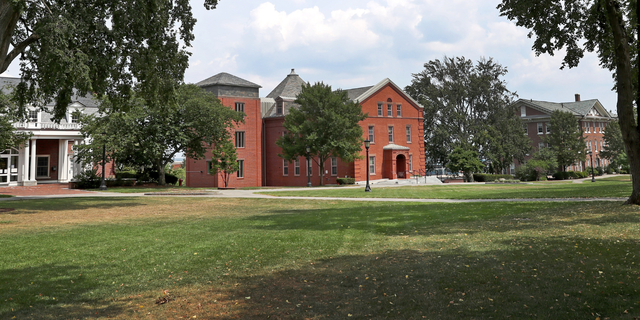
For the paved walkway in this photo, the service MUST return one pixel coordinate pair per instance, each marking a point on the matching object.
(49, 191)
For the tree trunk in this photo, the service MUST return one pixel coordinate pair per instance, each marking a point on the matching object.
(8, 20)
(321, 165)
(161, 180)
(626, 119)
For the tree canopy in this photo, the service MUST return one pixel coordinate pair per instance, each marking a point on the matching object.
(566, 139)
(614, 146)
(608, 27)
(150, 136)
(102, 47)
(327, 122)
(465, 160)
(468, 104)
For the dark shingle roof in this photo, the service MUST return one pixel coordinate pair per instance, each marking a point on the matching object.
(289, 87)
(356, 92)
(227, 79)
(579, 108)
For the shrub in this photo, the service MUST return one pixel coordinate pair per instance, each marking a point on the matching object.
(564, 175)
(126, 174)
(87, 180)
(608, 169)
(487, 177)
(346, 180)
(599, 171)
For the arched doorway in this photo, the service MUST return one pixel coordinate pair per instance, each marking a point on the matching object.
(401, 166)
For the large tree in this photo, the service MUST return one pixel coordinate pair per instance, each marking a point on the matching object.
(327, 122)
(151, 136)
(8, 136)
(102, 47)
(566, 139)
(609, 27)
(468, 104)
(614, 149)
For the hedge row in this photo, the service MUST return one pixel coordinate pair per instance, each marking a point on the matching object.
(564, 175)
(486, 177)
(346, 180)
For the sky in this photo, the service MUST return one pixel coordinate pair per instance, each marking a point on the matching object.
(357, 43)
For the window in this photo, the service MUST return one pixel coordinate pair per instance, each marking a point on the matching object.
(539, 128)
(285, 167)
(601, 145)
(42, 168)
(389, 110)
(526, 128)
(74, 117)
(240, 172)
(279, 107)
(296, 167)
(372, 164)
(209, 166)
(410, 163)
(523, 111)
(33, 116)
(240, 106)
(390, 134)
(399, 110)
(334, 166)
(371, 134)
(540, 145)
(595, 142)
(408, 134)
(239, 139)
(588, 127)
(379, 109)
(548, 126)
(309, 168)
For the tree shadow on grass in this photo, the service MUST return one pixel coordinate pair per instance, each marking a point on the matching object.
(51, 292)
(533, 278)
(438, 218)
(62, 204)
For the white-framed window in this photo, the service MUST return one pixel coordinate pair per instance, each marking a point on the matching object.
(525, 127)
(240, 173)
(296, 167)
(379, 109)
(399, 110)
(309, 168)
(372, 164)
(540, 145)
(390, 128)
(408, 134)
(548, 126)
(523, 111)
(372, 136)
(389, 110)
(42, 166)
(33, 116)
(239, 139)
(595, 144)
(588, 127)
(285, 167)
(411, 163)
(589, 146)
(539, 127)
(74, 116)
(334, 166)
(239, 106)
(601, 145)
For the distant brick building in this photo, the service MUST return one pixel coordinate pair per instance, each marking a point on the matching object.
(394, 126)
(592, 117)
(240, 95)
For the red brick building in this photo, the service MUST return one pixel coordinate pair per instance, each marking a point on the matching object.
(394, 127)
(240, 95)
(592, 117)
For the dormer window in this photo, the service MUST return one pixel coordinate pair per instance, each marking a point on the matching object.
(74, 116)
(279, 107)
(33, 116)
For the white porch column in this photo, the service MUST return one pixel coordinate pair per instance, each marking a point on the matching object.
(23, 158)
(31, 164)
(63, 161)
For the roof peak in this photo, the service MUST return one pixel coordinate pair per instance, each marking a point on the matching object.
(224, 78)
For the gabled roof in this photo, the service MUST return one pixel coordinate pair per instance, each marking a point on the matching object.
(8, 83)
(370, 91)
(578, 108)
(288, 88)
(356, 92)
(226, 79)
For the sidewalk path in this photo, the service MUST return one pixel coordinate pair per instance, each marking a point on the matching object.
(62, 191)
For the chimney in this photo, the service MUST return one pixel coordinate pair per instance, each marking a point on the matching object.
(577, 97)
(293, 71)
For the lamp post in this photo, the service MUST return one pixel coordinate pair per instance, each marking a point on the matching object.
(593, 174)
(308, 168)
(366, 146)
(103, 185)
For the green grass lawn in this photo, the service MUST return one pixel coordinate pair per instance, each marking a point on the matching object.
(616, 187)
(284, 259)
